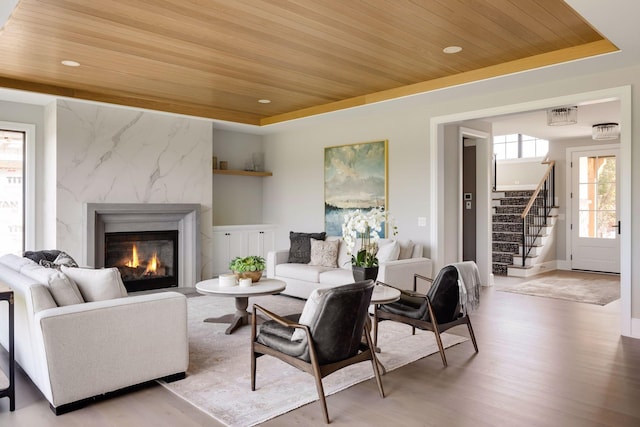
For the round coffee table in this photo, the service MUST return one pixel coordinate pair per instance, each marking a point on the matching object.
(241, 294)
(384, 294)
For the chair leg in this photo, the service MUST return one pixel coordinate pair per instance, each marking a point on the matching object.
(323, 400)
(436, 332)
(253, 353)
(471, 334)
(374, 361)
(253, 370)
(439, 341)
(375, 326)
(318, 377)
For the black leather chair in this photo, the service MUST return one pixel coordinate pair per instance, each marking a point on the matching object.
(437, 311)
(332, 341)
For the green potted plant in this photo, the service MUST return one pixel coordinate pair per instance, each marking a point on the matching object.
(249, 266)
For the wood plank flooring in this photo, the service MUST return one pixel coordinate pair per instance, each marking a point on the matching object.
(542, 362)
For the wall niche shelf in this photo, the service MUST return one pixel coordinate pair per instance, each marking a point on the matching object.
(240, 172)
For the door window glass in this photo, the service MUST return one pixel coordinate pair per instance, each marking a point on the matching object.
(597, 197)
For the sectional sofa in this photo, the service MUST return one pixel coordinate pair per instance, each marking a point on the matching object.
(398, 261)
(81, 338)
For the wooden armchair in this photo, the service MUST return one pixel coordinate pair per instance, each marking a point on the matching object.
(332, 327)
(437, 311)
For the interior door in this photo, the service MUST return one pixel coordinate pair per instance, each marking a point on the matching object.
(595, 229)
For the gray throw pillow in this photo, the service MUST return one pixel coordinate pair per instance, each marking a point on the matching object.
(63, 258)
(300, 249)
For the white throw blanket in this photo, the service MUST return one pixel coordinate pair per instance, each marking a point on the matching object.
(469, 283)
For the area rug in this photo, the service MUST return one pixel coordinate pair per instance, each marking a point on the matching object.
(218, 380)
(592, 291)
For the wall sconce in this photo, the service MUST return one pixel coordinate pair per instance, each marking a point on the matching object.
(561, 116)
(604, 131)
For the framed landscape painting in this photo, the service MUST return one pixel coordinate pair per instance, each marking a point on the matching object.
(355, 177)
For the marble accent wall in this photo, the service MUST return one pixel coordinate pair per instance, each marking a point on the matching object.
(110, 154)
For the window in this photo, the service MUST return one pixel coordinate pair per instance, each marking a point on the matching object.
(17, 187)
(597, 197)
(12, 151)
(516, 146)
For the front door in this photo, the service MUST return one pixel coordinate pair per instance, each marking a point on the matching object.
(595, 229)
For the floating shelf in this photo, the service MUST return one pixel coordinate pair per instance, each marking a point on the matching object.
(240, 172)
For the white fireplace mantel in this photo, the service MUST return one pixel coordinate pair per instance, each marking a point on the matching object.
(100, 218)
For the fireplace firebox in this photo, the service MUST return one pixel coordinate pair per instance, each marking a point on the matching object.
(146, 259)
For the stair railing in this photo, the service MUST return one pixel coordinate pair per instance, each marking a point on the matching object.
(535, 214)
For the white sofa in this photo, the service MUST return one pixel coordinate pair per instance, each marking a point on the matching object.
(302, 279)
(74, 353)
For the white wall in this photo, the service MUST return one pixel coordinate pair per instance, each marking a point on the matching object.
(111, 154)
(237, 199)
(294, 196)
(514, 174)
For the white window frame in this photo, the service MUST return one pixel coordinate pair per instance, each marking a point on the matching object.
(29, 180)
(519, 142)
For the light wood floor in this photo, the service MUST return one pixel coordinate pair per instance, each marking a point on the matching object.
(542, 362)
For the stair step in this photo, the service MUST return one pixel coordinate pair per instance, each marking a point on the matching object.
(507, 237)
(510, 247)
(499, 269)
(502, 257)
(507, 217)
(514, 227)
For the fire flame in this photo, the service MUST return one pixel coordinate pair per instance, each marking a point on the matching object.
(153, 265)
(134, 262)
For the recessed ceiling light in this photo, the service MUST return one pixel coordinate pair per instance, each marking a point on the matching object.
(264, 101)
(452, 49)
(69, 63)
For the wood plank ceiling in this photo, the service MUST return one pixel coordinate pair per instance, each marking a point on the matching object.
(217, 58)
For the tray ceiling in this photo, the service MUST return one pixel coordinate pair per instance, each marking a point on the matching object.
(217, 58)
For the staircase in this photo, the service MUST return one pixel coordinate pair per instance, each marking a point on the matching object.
(507, 234)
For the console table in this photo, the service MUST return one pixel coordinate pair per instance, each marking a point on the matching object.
(7, 385)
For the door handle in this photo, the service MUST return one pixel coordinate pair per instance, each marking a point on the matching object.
(617, 226)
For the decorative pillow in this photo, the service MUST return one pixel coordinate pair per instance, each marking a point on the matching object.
(47, 254)
(41, 298)
(406, 249)
(97, 284)
(309, 312)
(300, 250)
(62, 259)
(63, 290)
(324, 252)
(388, 252)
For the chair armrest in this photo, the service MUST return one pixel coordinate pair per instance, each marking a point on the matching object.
(417, 276)
(271, 315)
(274, 258)
(279, 319)
(403, 291)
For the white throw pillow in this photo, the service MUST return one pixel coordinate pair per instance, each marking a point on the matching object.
(388, 252)
(324, 253)
(406, 249)
(97, 284)
(63, 290)
(309, 312)
(41, 297)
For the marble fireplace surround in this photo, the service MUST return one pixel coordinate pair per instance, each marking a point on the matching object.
(101, 218)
